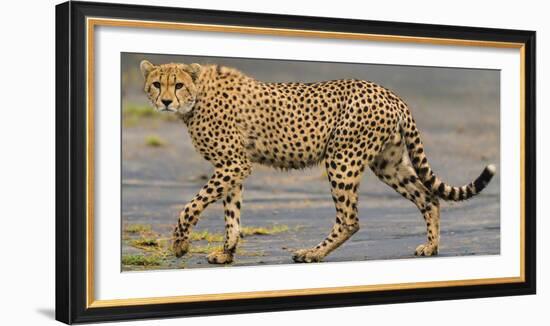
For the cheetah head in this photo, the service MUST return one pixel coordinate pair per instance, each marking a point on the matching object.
(171, 87)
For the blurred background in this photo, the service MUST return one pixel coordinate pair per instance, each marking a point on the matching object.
(456, 110)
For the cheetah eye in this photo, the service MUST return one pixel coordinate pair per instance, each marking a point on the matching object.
(179, 85)
(156, 84)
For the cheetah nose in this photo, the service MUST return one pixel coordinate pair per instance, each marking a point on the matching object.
(166, 102)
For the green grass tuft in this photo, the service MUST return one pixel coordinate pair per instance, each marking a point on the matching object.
(204, 249)
(144, 242)
(139, 111)
(132, 114)
(137, 228)
(208, 236)
(141, 260)
(253, 230)
(154, 141)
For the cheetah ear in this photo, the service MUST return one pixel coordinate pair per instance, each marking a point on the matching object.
(146, 67)
(194, 70)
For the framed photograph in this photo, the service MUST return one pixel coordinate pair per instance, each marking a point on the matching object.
(214, 162)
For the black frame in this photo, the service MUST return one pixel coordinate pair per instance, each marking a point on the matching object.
(71, 162)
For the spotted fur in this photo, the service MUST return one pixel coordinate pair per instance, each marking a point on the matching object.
(235, 121)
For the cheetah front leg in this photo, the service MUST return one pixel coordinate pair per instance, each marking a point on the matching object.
(232, 210)
(224, 179)
(190, 214)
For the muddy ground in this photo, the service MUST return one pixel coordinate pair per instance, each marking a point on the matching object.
(161, 171)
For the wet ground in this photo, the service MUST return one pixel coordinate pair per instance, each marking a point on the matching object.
(161, 171)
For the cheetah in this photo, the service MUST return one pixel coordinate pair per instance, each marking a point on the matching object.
(234, 121)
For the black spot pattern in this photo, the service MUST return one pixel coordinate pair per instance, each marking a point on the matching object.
(236, 121)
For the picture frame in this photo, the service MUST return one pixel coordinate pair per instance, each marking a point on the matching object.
(76, 131)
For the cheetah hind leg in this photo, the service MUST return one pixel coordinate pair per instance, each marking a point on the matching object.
(394, 168)
(344, 181)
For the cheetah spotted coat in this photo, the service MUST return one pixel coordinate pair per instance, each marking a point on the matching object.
(235, 121)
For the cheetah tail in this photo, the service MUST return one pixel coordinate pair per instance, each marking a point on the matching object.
(428, 177)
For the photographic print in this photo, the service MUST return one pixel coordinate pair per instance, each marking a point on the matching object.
(250, 162)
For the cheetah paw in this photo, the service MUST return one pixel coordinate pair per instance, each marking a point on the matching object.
(180, 247)
(426, 249)
(307, 256)
(220, 257)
